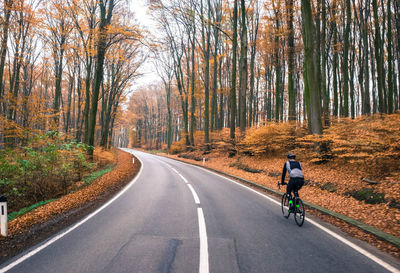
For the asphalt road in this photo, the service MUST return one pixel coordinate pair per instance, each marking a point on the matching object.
(179, 218)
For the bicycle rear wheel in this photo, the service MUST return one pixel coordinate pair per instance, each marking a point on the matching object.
(285, 206)
(299, 212)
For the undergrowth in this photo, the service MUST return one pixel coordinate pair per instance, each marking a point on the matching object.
(44, 169)
(369, 196)
(370, 143)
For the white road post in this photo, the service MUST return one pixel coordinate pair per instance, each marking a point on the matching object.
(3, 216)
(204, 161)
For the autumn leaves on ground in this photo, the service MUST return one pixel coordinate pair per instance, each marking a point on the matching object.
(357, 172)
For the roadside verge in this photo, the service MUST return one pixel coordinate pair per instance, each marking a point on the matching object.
(37, 225)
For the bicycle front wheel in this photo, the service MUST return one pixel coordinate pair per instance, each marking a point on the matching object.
(299, 212)
(285, 206)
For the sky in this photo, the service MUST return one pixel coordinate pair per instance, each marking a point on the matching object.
(139, 7)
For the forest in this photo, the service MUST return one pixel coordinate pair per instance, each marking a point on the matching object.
(66, 67)
(242, 64)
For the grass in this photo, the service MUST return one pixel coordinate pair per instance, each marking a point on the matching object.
(157, 151)
(22, 211)
(93, 176)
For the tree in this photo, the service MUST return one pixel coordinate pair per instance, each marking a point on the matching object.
(105, 21)
(233, 79)
(243, 69)
(291, 59)
(165, 71)
(59, 27)
(3, 50)
(310, 62)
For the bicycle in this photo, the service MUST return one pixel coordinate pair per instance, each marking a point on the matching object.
(298, 207)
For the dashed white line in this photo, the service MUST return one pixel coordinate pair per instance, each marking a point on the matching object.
(183, 178)
(204, 266)
(196, 198)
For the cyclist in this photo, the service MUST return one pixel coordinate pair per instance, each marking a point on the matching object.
(296, 180)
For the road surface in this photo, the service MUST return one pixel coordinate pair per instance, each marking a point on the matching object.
(174, 217)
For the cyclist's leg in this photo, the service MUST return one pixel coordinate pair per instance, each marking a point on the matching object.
(290, 188)
(299, 182)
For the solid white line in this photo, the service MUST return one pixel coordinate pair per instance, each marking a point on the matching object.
(204, 266)
(36, 250)
(333, 234)
(196, 198)
(355, 247)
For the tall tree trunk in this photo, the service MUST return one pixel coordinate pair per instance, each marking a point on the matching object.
(335, 65)
(324, 89)
(345, 62)
(379, 58)
(233, 79)
(243, 70)
(277, 68)
(373, 73)
(89, 63)
(6, 23)
(291, 56)
(207, 76)
(253, 52)
(169, 130)
(193, 100)
(397, 13)
(221, 99)
(217, 21)
(101, 52)
(69, 101)
(364, 33)
(59, 70)
(311, 69)
(390, 58)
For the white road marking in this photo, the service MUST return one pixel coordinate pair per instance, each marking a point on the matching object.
(204, 266)
(183, 178)
(54, 239)
(196, 198)
(355, 247)
(330, 232)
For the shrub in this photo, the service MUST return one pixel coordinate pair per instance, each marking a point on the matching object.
(271, 139)
(44, 169)
(329, 187)
(368, 196)
(178, 147)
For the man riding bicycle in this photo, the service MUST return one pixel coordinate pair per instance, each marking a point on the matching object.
(296, 180)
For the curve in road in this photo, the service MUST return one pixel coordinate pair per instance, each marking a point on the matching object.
(174, 217)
